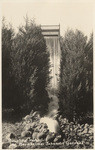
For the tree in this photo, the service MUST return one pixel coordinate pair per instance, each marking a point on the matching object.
(85, 94)
(30, 65)
(25, 68)
(73, 77)
(7, 40)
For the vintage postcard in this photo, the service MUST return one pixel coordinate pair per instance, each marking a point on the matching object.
(47, 74)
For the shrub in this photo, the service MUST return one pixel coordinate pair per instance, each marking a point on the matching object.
(75, 92)
(30, 68)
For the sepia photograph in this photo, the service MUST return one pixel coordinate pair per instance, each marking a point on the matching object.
(47, 74)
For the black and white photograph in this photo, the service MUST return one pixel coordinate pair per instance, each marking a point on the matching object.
(47, 74)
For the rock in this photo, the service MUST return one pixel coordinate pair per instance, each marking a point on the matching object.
(78, 125)
(65, 121)
(42, 126)
(91, 126)
(87, 143)
(79, 134)
(74, 126)
(12, 146)
(70, 129)
(62, 126)
(67, 127)
(66, 135)
(63, 131)
(91, 137)
(72, 134)
(90, 131)
(75, 129)
(71, 123)
(87, 134)
(35, 113)
(10, 136)
(26, 134)
(85, 131)
(28, 127)
(45, 125)
(34, 125)
(17, 124)
(28, 139)
(58, 139)
(36, 116)
(52, 124)
(26, 118)
(42, 135)
(45, 130)
(5, 145)
(31, 113)
(79, 130)
(50, 137)
(86, 125)
(82, 126)
(35, 135)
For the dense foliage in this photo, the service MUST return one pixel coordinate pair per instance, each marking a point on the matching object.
(76, 74)
(7, 40)
(29, 62)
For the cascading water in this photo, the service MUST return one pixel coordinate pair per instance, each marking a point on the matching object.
(53, 46)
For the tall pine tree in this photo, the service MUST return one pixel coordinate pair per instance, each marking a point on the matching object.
(75, 92)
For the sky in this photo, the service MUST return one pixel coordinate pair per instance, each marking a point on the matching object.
(72, 15)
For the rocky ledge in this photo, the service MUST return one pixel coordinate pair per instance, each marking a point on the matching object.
(34, 134)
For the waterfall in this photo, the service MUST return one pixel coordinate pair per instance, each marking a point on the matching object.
(53, 47)
(51, 35)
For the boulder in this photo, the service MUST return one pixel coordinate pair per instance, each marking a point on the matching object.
(42, 135)
(85, 131)
(35, 116)
(28, 139)
(50, 137)
(78, 125)
(79, 134)
(27, 118)
(65, 121)
(67, 127)
(90, 130)
(12, 146)
(34, 125)
(82, 126)
(86, 125)
(28, 127)
(71, 123)
(5, 145)
(91, 126)
(35, 135)
(10, 136)
(45, 130)
(35, 113)
(31, 113)
(26, 134)
(58, 139)
(87, 143)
